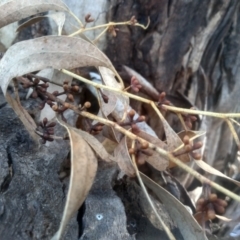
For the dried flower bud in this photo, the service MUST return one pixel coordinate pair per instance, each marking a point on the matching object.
(135, 129)
(197, 145)
(34, 94)
(52, 124)
(65, 87)
(45, 121)
(186, 139)
(75, 88)
(36, 81)
(144, 145)
(141, 119)
(211, 214)
(66, 105)
(196, 156)
(55, 108)
(131, 151)
(87, 104)
(221, 202)
(88, 18)
(131, 113)
(213, 197)
(70, 97)
(55, 93)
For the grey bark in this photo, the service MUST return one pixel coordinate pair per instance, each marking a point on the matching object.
(191, 48)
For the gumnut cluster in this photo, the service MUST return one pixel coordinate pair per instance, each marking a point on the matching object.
(209, 205)
(189, 148)
(46, 130)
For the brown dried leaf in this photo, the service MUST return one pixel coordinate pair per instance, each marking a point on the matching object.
(24, 116)
(154, 158)
(146, 86)
(203, 165)
(95, 145)
(58, 18)
(44, 52)
(123, 158)
(177, 211)
(173, 140)
(15, 10)
(118, 104)
(83, 171)
(225, 219)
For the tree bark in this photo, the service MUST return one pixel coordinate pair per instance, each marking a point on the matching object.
(191, 51)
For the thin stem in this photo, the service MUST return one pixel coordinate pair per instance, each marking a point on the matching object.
(233, 120)
(51, 136)
(161, 151)
(196, 112)
(76, 18)
(97, 85)
(98, 37)
(15, 85)
(182, 121)
(170, 108)
(107, 25)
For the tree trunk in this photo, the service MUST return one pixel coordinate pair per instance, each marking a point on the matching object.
(191, 51)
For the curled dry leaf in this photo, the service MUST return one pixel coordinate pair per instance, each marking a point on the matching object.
(152, 205)
(177, 211)
(118, 104)
(44, 52)
(15, 10)
(24, 116)
(58, 18)
(95, 145)
(152, 157)
(123, 158)
(203, 165)
(83, 171)
(146, 86)
(225, 219)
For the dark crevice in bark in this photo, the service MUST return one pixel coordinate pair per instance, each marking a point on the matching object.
(9, 177)
(80, 215)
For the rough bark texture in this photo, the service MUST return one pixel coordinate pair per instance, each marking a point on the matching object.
(190, 50)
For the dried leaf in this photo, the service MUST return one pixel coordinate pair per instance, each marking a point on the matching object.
(123, 158)
(44, 52)
(83, 171)
(24, 116)
(146, 86)
(58, 18)
(152, 205)
(95, 145)
(203, 165)
(15, 10)
(173, 140)
(118, 104)
(225, 219)
(152, 157)
(177, 211)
